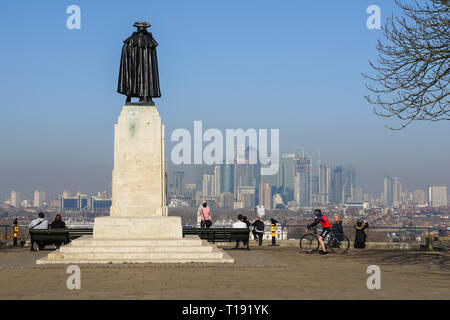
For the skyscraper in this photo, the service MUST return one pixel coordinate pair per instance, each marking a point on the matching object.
(208, 185)
(437, 196)
(227, 178)
(265, 195)
(15, 199)
(303, 181)
(392, 191)
(217, 180)
(325, 183)
(39, 199)
(343, 180)
(287, 175)
(178, 183)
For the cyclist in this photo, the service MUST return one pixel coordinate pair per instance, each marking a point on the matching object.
(326, 228)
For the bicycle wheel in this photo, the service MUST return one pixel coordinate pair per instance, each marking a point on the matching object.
(339, 243)
(309, 243)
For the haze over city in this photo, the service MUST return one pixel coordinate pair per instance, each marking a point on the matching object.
(293, 66)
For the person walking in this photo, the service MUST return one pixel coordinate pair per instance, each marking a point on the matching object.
(258, 230)
(205, 214)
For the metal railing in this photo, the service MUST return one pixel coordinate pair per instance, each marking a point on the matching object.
(380, 233)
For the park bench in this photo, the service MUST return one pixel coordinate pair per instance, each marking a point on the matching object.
(43, 237)
(220, 234)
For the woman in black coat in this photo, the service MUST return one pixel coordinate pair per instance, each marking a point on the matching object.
(360, 235)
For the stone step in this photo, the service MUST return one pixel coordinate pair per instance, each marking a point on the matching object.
(69, 249)
(89, 241)
(148, 256)
(124, 261)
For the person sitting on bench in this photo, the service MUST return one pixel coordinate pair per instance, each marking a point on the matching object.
(239, 225)
(58, 223)
(38, 223)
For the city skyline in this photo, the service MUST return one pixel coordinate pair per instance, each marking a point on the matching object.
(313, 93)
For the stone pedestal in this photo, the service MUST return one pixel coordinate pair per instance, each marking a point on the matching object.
(138, 229)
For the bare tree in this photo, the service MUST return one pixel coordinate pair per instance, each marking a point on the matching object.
(412, 75)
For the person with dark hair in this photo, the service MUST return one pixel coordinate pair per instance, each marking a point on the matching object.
(326, 228)
(39, 223)
(245, 220)
(258, 230)
(240, 224)
(360, 235)
(205, 214)
(58, 223)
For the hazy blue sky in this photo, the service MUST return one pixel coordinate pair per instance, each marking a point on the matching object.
(293, 65)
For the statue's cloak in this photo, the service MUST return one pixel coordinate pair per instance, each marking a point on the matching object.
(138, 75)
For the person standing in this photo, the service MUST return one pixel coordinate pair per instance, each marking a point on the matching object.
(258, 230)
(360, 235)
(205, 214)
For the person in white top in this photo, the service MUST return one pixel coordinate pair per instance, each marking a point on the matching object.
(39, 223)
(239, 225)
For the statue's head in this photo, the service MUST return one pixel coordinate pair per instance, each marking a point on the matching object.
(142, 25)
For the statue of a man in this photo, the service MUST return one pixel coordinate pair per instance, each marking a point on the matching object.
(138, 77)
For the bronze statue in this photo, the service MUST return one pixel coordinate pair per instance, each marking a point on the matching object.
(138, 77)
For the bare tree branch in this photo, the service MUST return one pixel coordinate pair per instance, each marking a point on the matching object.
(412, 73)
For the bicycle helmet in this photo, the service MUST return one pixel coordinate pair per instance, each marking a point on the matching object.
(317, 212)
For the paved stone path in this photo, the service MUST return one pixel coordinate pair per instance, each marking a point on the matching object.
(284, 273)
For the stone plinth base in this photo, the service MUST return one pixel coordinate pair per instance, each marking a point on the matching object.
(87, 250)
(134, 228)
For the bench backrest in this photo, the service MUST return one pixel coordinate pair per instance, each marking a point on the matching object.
(59, 234)
(219, 234)
(50, 234)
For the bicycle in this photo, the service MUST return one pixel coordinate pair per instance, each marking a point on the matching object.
(338, 243)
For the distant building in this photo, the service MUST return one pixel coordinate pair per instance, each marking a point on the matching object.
(325, 183)
(102, 205)
(226, 200)
(265, 195)
(238, 205)
(260, 211)
(178, 183)
(357, 195)
(419, 196)
(392, 191)
(342, 182)
(15, 200)
(39, 199)
(227, 178)
(78, 203)
(437, 196)
(217, 181)
(303, 181)
(247, 196)
(208, 186)
(287, 175)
